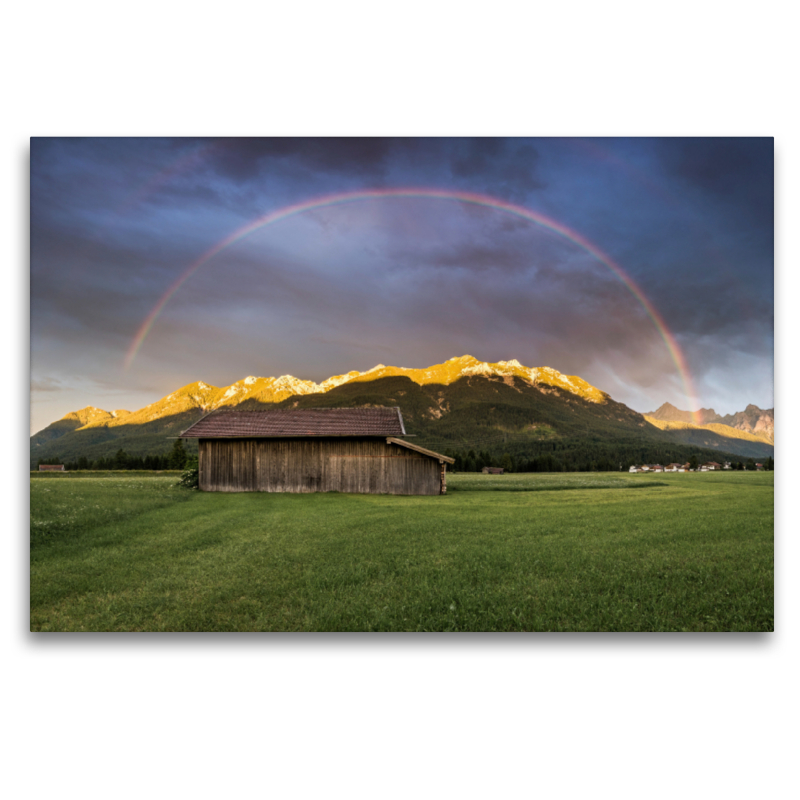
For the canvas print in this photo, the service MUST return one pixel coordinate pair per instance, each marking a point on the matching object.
(401, 384)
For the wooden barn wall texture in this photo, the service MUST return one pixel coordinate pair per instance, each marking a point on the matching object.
(365, 466)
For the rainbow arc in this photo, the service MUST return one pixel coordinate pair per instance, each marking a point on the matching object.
(440, 194)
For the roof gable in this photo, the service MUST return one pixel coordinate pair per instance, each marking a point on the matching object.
(422, 450)
(288, 422)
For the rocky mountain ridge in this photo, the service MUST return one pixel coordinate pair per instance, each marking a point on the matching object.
(200, 395)
(753, 420)
(669, 413)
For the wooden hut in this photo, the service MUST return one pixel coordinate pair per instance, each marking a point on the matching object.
(314, 450)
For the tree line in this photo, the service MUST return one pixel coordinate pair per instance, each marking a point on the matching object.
(750, 464)
(172, 459)
(589, 459)
(473, 461)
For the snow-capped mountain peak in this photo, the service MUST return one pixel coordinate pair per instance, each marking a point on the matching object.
(200, 395)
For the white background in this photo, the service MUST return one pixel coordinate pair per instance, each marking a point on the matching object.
(618, 716)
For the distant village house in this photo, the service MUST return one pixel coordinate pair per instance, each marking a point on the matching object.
(492, 470)
(674, 467)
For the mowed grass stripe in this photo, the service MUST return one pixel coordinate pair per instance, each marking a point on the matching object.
(692, 553)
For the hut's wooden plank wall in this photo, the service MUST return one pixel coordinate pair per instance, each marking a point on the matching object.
(366, 466)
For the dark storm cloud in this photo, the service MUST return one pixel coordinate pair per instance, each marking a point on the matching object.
(79, 283)
(501, 167)
(720, 165)
(246, 158)
(506, 168)
(737, 172)
(709, 306)
(193, 192)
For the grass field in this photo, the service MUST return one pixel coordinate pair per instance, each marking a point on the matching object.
(532, 552)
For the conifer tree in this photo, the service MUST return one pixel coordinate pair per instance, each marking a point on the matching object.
(177, 458)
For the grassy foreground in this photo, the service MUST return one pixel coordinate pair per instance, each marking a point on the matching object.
(558, 552)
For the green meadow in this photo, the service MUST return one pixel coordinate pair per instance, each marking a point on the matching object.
(524, 552)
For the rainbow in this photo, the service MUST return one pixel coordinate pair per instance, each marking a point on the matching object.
(439, 194)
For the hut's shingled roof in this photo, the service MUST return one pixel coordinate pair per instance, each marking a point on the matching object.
(279, 422)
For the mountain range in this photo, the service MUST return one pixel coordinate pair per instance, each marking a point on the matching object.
(758, 422)
(461, 404)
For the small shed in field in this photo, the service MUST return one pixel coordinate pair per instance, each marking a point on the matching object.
(356, 450)
(51, 468)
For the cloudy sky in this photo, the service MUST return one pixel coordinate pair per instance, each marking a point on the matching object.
(402, 280)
